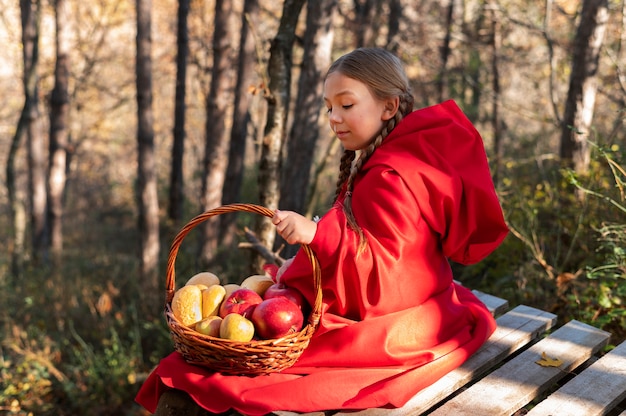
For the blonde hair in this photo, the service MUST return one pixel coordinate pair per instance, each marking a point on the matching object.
(383, 74)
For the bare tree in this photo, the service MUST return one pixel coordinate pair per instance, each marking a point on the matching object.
(31, 14)
(30, 21)
(59, 133)
(581, 95)
(393, 23)
(177, 194)
(241, 119)
(148, 201)
(496, 123)
(278, 96)
(303, 140)
(445, 49)
(216, 140)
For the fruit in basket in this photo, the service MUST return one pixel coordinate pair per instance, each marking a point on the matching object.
(212, 298)
(276, 317)
(204, 278)
(257, 282)
(237, 328)
(280, 289)
(240, 302)
(187, 304)
(210, 326)
(230, 288)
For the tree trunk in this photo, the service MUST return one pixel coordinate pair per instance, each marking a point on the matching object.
(18, 211)
(148, 202)
(177, 194)
(496, 42)
(59, 135)
(366, 12)
(279, 70)
(445, 51)
(241, 120)
(31, 11)
(303, 140)
(582, 90)
(216, 145)
(393, 34)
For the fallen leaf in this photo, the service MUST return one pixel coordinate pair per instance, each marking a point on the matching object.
(549, 362)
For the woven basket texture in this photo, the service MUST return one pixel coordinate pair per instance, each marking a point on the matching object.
(252, 358)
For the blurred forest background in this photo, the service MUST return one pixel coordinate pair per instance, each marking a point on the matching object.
(120, 122)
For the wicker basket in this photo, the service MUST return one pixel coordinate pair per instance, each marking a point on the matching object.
(235, 357)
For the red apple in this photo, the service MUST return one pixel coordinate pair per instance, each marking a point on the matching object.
(280, 289)
(241, 301)
(276, 317)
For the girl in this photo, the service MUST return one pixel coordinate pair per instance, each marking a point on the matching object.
(414, 190)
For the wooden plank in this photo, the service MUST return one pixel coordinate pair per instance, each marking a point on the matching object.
(517, 382)
(595, 391)
(515, 329)
(497, 306)
(285, 413)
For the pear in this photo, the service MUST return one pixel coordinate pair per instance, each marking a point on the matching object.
(257, 282)
(205, 278)
(230, 288)
(210, 326)
(212, 298)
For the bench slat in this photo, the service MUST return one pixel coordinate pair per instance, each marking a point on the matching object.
(517, 382)
(497, 306)
(594, 391)
(515, 329)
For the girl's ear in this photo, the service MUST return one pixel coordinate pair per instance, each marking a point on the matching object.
(391, 108)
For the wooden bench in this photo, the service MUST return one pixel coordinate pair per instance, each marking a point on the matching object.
(503, 377)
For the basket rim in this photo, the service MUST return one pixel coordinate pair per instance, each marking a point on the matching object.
(170, 286)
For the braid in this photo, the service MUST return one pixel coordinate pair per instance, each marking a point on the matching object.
(344, 170)
(405, 105)
(384, 76)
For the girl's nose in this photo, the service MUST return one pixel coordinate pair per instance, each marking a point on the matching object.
(333, 117)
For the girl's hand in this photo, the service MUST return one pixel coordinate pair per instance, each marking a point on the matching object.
(293, 227)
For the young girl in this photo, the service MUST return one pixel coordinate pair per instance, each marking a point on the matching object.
(414, 191)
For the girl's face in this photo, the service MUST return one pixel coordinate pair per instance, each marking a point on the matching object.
(354, 114)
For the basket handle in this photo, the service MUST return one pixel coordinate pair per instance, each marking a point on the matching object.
(170, 284)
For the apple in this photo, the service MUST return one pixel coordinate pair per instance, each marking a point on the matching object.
(210, 326)
(241, 302)
(276, 317)
(280, 289)
(237, 328)
(283, 267)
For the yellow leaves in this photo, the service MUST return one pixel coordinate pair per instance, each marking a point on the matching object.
(549, 362)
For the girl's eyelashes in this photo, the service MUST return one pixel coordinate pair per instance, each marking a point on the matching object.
(345, 107)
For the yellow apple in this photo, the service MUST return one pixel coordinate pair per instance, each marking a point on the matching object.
(212, 298)
(187, 304)
(237, 328)
(205, 278)
(257, 282)
(210, 326)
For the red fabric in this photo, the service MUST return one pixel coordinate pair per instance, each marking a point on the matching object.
(393, 321)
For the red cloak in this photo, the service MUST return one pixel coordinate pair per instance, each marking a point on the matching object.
(393, 321)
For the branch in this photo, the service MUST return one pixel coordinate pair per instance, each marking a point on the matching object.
(254, 244)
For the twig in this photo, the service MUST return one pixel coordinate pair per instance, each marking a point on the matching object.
(254, 244)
